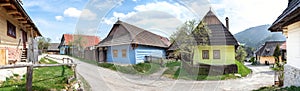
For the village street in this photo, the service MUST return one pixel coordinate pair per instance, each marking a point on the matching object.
(101, 79)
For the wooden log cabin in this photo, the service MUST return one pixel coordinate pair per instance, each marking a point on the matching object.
(17, 29)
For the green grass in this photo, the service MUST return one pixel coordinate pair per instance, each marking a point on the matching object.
(242, 69)
(44, 79)
(93, 62)
(272, 88)
(140, 68)
(181, 73)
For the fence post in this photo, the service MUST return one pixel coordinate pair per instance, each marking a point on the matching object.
(29, 78)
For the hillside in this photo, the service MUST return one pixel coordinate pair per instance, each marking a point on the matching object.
(256, 36)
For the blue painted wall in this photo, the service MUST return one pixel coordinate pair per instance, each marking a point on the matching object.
(143, 51)
(134, 56)
(129, 59)
(62, 50)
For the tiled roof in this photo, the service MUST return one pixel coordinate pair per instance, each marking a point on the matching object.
(86, 40)
(288, 16)
(133, 35)
(219, 33)
(268, 48)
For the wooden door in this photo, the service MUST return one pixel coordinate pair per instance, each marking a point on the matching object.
(2, 57)
(24, 38)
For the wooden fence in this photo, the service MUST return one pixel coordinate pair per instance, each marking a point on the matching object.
(31, 66)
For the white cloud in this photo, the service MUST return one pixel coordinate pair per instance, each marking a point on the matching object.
(163, 16)
(59, 18)
(134, 0)
(249, 13)
(85, 14)
(88, 15)
(72, 12)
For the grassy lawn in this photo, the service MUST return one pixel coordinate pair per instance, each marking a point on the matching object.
(271, 88)
(140, 69)
(242, 69)
(176, 72)
(86, 61)
(44, 79)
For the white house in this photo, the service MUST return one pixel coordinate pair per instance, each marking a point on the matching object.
(289, 23)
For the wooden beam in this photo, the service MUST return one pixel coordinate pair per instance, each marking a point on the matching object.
(19, 17)
(13, 12)
(29, 78)
(5, 4)
(34, 65)
(23, 22)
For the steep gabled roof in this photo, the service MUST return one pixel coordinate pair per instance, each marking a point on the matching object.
(86, 40)
(219, 33)
(132, 35)
(268, 48)
(290, 15)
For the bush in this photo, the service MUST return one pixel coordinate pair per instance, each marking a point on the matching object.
(173, 64)
(140, 68)
(253, 61)
(107, 65)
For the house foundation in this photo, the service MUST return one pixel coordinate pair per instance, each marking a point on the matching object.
(291, 76)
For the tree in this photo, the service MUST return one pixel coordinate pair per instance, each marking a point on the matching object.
(188, 36)
(277, 54)
(278, 67)
(240, 54)
(43, 43)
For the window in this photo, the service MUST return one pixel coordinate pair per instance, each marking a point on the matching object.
(124, 55)
(11, 30)
(115, 53)
(205, 54)
(216, 54)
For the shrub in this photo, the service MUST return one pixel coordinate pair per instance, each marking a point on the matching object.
(107, 65)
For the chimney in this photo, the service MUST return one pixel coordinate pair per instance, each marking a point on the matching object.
(227, 23)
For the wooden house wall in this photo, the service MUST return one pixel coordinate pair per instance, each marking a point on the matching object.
(143, 51)
(134, 55)
(8, 43)
(227, 55)
(129, 59)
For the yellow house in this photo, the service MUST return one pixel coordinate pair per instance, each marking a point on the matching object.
(16, 29)
(265, 53)
(222, 44)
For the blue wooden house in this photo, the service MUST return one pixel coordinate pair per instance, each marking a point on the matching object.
(128, 44)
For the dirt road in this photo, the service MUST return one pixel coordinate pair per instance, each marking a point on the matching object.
(102, 79)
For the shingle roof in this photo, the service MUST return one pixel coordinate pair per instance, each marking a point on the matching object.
(130, 34)
(268, 48)
(219, 33)
(53, 47)
(288, 16)
(87, 40)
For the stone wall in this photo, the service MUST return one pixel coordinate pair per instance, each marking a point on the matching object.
(291, 76)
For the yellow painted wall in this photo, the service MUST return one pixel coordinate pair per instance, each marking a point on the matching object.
(270, 59)
(227, 54)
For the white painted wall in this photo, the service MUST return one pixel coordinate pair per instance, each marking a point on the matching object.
(293, 45)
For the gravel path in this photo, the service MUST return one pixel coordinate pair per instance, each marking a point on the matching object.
(102, 79)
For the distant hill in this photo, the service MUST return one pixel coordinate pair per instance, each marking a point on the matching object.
(256, 36)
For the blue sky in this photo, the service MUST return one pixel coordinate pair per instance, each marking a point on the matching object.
(96, 17)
